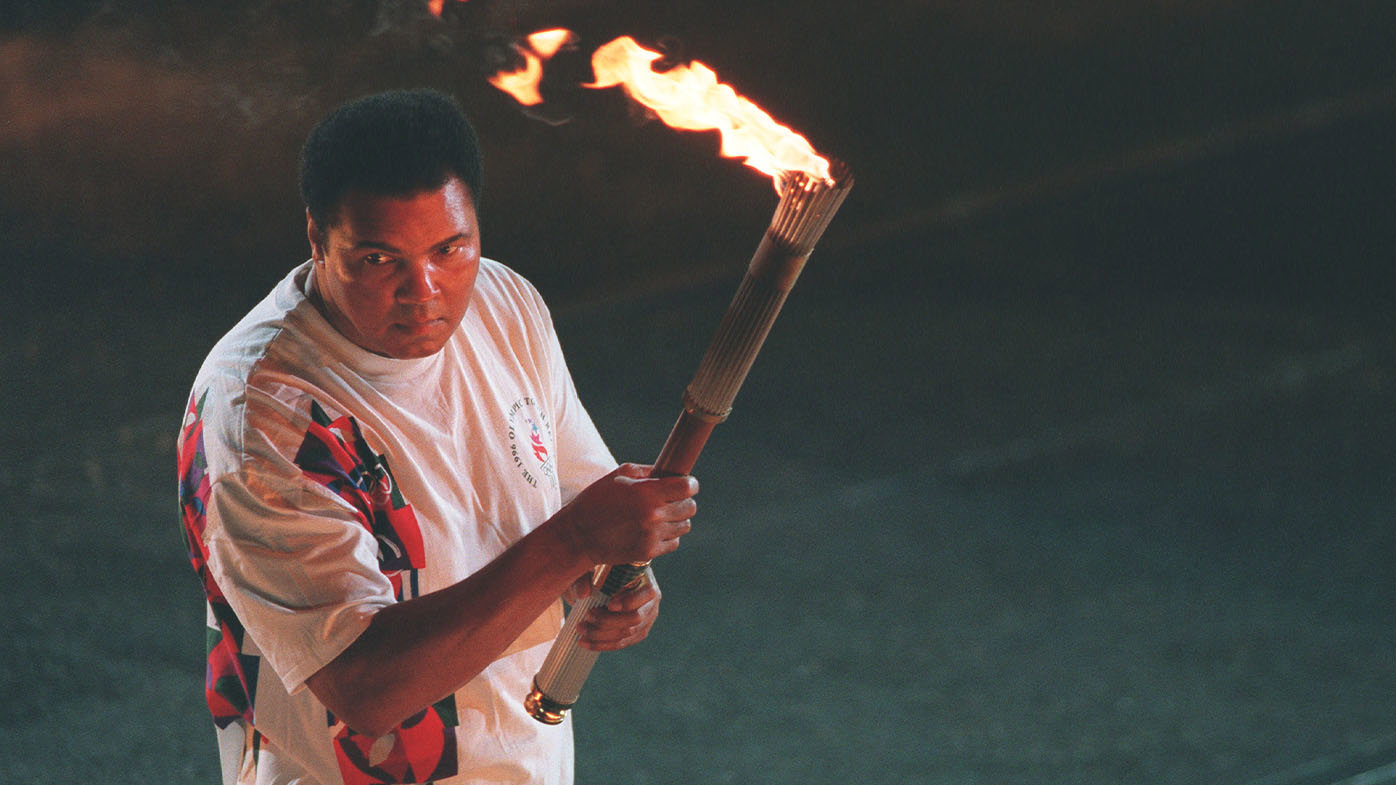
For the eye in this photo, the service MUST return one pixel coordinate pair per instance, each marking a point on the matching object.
(376, 259)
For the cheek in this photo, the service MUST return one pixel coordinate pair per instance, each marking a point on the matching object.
(462, 285)
(367, 306)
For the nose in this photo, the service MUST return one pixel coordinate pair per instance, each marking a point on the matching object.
(418, 283)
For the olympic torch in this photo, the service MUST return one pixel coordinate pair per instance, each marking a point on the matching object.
(806, 206)
(690, 97)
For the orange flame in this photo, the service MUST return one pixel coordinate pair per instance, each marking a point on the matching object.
(523, 82)
(436, 6)
(689, 97)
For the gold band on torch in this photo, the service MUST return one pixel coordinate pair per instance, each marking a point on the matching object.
(807, 204)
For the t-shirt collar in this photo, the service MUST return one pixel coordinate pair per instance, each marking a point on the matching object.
(364, 362)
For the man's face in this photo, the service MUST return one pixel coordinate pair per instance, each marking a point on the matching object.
(394, 273)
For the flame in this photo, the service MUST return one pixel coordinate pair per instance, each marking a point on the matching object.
(437, 6)
(689, 97)
(523, 82)
(547, 42)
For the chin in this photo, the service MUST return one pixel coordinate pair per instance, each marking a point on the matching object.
(414, 351)
(412, 345)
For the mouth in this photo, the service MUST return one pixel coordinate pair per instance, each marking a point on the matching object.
(419, 326)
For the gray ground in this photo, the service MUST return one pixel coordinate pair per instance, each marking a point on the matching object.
(1070, 459)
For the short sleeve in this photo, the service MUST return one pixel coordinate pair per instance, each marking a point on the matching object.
(294, 559)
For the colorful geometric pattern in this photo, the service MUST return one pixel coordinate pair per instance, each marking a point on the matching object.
(230, 680)
(421, 749)
(334, 453)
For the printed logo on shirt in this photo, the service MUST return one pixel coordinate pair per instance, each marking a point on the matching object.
(530, 442)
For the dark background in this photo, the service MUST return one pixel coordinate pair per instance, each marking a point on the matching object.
(1070, 459)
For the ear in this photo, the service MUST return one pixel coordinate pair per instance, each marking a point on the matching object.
(316, 237)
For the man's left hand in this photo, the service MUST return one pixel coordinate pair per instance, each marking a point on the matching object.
(624, 620)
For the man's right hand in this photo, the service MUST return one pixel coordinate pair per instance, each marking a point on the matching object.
(627, 516)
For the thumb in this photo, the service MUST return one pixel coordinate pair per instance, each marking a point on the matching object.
(634, 471)
(580, 590)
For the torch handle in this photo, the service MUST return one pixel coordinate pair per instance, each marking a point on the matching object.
(707, 402)
(567, 666)
(743, 330)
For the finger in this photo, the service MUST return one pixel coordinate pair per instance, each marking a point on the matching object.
(666, 540)
(676, 488)
(607, 644)
(614, 623)
(672, 530)
(631, 599)
(621, 622)
(671, 487)
(602, 626)
(615, 630)
(681, 529)
(635, 471)
(677, 510)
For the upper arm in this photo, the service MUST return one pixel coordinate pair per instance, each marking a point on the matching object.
(291, 559)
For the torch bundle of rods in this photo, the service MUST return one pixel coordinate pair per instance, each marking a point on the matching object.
(807, 205)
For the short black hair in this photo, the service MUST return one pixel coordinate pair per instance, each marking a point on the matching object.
(395, 143)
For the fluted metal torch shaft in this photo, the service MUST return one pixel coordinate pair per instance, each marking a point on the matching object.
(807, 204)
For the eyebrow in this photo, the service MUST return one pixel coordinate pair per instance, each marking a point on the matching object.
(365, 245)
(374, 245)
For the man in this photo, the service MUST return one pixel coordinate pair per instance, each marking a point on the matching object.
(387, 483)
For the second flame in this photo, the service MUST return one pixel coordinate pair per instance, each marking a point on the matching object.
(523, 82)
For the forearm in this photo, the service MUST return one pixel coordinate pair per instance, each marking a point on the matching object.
(416, 652)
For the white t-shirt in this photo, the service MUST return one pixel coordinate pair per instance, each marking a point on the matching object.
(320, 482)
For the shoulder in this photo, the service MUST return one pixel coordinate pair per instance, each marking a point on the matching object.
(498, 283)
(240, 350)
(247, 390)
(507, 303)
